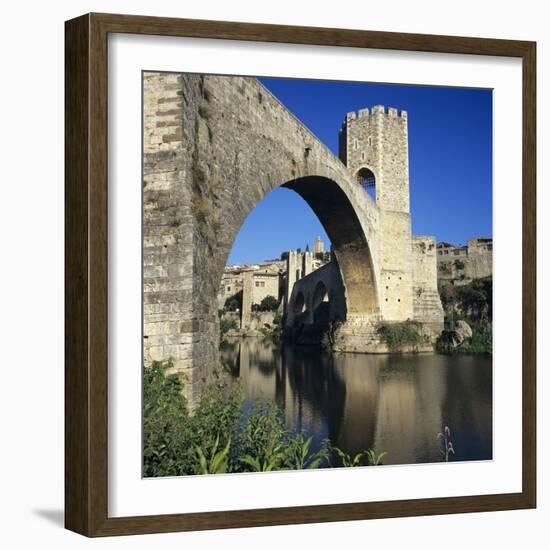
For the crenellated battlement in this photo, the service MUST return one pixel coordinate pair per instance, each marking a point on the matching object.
(391, 112)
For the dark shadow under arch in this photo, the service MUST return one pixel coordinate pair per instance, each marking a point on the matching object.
(341, 223)
(299, 303)
(319, 294)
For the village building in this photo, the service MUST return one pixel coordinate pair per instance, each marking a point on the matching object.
(460, 265)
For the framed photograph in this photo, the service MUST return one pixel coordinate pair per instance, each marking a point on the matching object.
(300, 275)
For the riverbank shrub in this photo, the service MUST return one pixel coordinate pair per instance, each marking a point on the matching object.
(166, 432)
(259, 443)
(226, 325)
(472, 303)
(397, 335)
(265, 444)
(221, 435)
(171, 435)
(273, 333)
(481, 341)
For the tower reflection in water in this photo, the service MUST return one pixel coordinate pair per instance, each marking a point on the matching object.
(392, 403)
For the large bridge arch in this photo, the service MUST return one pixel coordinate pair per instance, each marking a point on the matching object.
(339, 218)
(213, 148)
(333, 204)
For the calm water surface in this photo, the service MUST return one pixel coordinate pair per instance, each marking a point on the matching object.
(392, 403)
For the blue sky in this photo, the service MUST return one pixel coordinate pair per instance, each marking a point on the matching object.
(450, 162)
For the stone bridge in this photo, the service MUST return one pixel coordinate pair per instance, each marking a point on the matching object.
(321, 288)
(214, 147)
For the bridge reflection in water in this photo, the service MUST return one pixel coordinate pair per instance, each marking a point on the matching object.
(392, 403)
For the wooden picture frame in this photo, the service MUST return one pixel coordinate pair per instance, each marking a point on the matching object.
(86, 282)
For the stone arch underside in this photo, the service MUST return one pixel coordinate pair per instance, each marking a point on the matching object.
(340, 221)
(319, 294)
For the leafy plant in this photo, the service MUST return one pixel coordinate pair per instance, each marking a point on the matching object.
(474, 304)
(264, 463)
(298, 455)
(269, 303)
(226, 325)
(259, 443)
(217, 464)
(273, 333)
(235, 302)
(396, 335)
(347, 460)
(171, 434)
(373, 458)
(164, 415)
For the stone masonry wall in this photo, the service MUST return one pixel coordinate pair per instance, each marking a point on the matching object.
(330, 277)
(378, 140)
(461, 265)
(168, 318)
(426, 302)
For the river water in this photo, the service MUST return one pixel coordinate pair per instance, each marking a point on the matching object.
(392, 403)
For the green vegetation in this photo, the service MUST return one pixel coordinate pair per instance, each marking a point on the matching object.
(273, 332)
(348, 461)
(269, 303)
(234, 303)
(172, 437)
(373, 458)
(222, 435)
(472, 303)
(226, 325)
(218, 460)
(397, 335)
(480, 342)
(264, 444)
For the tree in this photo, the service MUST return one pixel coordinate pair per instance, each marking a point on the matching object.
(476, 298)
(235, 302)
(269, 303)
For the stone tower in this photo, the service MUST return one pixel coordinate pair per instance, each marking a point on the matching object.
(319, 246)
(374, 146)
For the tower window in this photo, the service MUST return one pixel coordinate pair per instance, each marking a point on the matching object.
(369, 141)
(356, 144)
(366, 179)
(363, 156)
